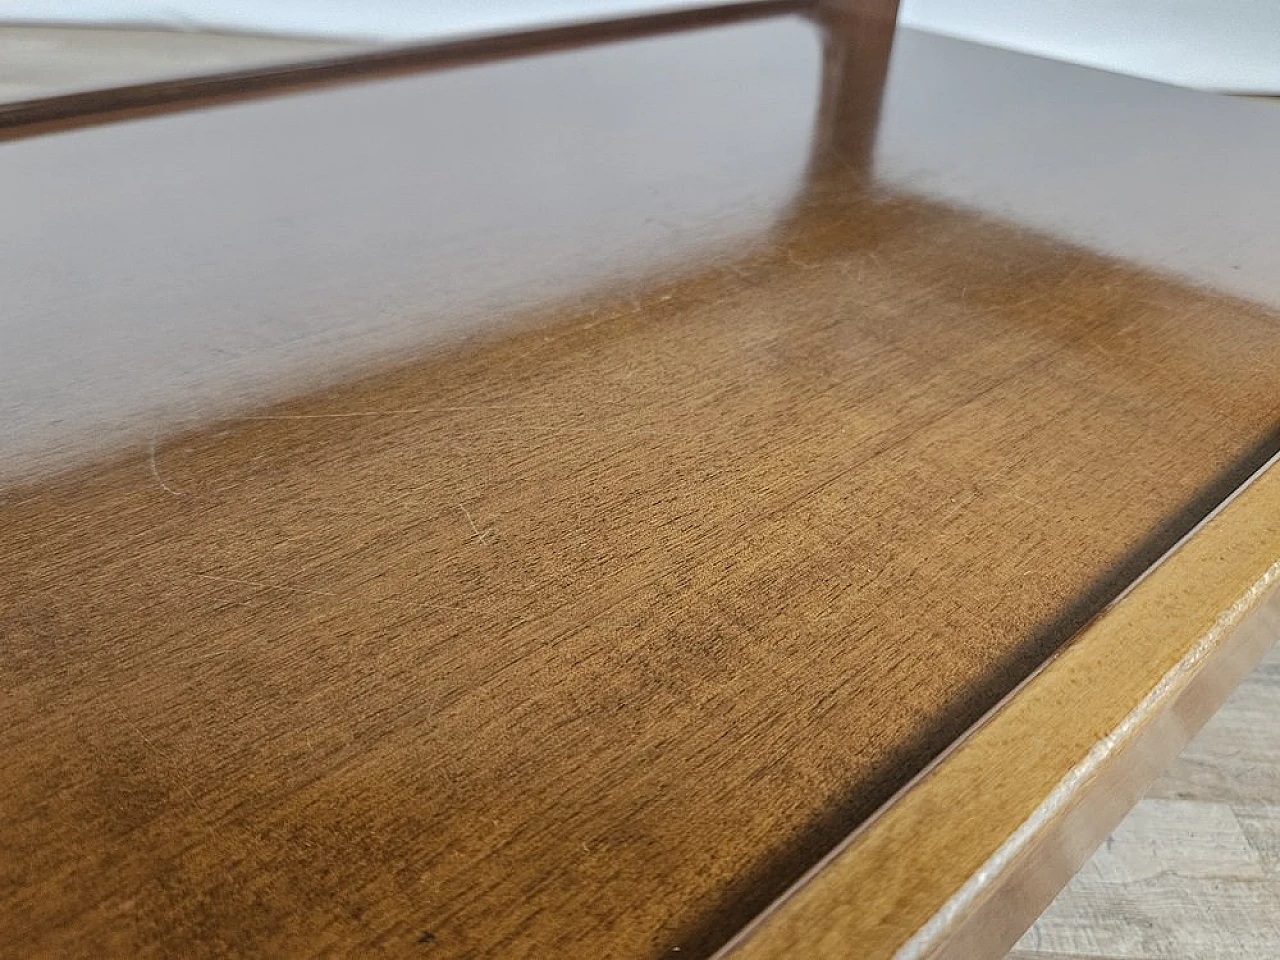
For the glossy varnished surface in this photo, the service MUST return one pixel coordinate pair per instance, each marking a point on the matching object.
(215, 259)
(182, 87)
(961, 862)
(551, 537)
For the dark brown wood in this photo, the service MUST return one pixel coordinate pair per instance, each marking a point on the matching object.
(552, 538)
(858, 41)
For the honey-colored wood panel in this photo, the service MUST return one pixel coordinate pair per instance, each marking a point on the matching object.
(587, 629)
(1026, 797)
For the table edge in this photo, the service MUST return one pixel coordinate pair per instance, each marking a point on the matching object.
(965, 857)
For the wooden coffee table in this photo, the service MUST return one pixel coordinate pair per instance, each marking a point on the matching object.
(685, 484)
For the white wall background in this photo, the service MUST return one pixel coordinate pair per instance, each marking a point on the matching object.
(395, 20)
(1232, 46)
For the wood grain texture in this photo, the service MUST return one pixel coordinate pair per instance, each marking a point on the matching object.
(1027, 796)
(587, 628)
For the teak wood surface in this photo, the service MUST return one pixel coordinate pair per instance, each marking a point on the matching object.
(545, 507)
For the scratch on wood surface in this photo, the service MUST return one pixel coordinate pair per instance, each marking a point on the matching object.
(155, 472)
(1039, 508)
(481, 536)
(156, 751)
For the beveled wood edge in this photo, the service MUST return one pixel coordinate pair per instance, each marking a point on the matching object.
(963, 859)
(25, 118)
(993, 923)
